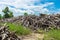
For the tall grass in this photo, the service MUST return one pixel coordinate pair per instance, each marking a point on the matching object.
(20, 30)
(53, 35)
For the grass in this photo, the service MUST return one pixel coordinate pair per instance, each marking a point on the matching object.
(52, 35)
(20, 30)
(1, 23)
(40, 31)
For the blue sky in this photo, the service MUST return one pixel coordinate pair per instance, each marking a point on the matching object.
(31, 6)
(56, 3)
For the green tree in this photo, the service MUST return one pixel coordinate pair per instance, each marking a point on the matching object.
(25, 14)
(6, 10)
(0, 16)
(11, 14)
(7, 13)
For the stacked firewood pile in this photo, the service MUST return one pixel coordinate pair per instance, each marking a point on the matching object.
(43, 21)
(5, 34)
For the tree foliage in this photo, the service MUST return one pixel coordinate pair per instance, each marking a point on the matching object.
(11, 14)
(7, 13)
(0, 16)
(25, 14)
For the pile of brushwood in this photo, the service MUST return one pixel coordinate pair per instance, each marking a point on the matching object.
(5, 34)
(44, 21)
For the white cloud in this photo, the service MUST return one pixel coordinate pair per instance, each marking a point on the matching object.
(25, 4)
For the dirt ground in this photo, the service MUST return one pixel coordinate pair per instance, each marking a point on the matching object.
(33, 36)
